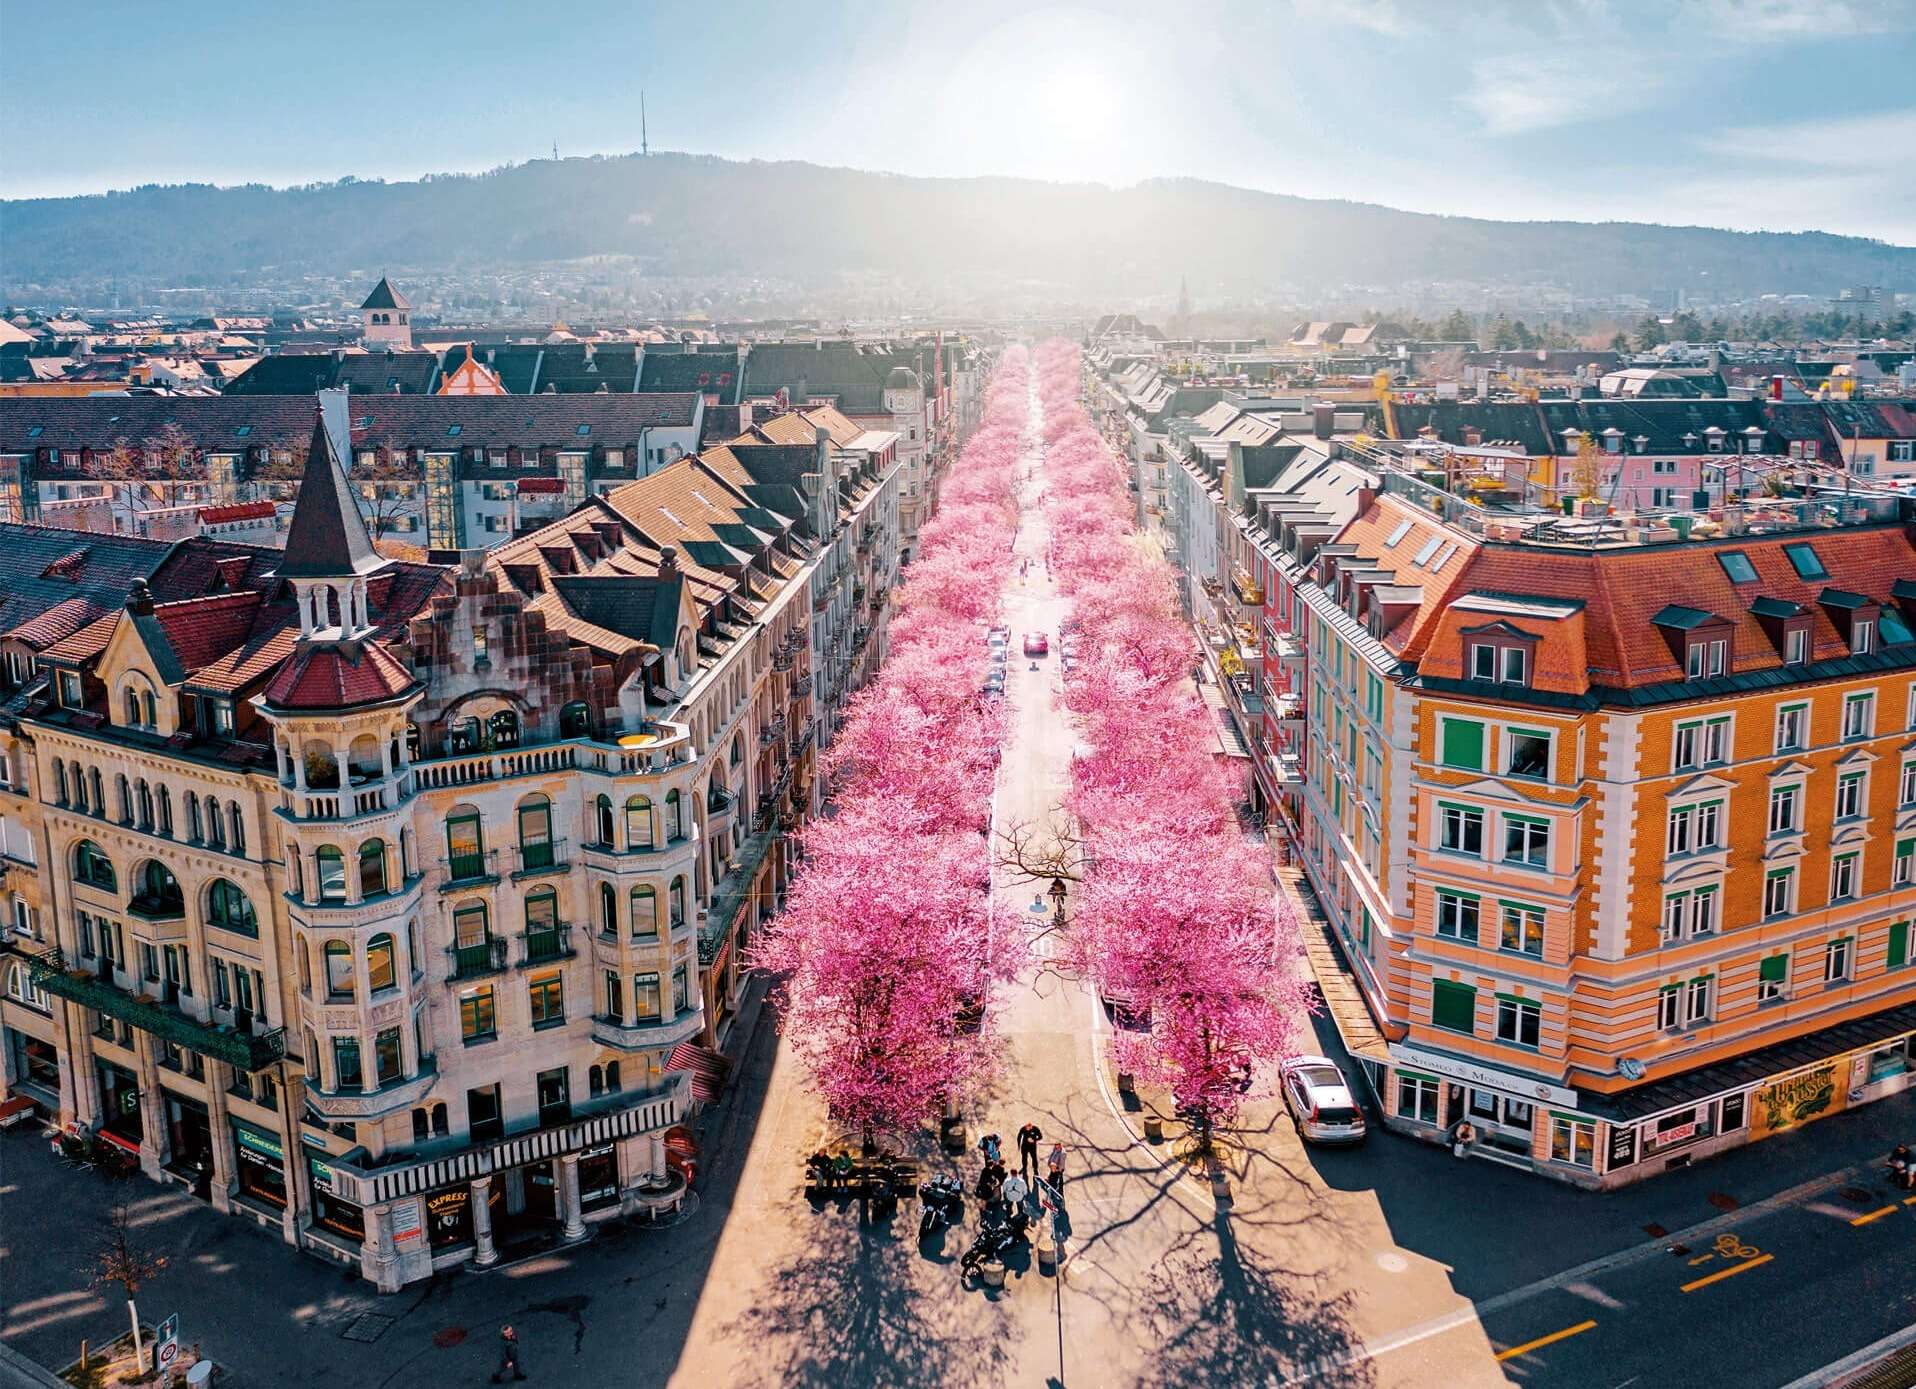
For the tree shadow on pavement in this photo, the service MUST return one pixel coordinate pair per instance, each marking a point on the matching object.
(860, 1313)
(1228, 1317)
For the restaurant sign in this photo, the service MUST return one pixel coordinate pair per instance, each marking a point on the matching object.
(1796, 1099)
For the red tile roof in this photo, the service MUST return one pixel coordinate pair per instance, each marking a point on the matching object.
(57, 623)
(338, 676)
(542, 484)
(242, 511)
(201, 630)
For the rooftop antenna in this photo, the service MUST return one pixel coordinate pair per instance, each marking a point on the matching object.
(555, 151)
(645, 147)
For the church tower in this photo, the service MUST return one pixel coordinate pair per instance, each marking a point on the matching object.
(387, 318)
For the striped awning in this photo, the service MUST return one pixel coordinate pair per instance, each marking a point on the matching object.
(708, 1069)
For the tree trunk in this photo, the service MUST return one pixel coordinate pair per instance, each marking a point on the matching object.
(133, 1314)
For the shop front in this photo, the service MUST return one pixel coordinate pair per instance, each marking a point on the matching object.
(449, 1218)
(120, 1119)
(34, 1066)
(598, 1177)
(331, 1210)
(189, 1135)
(260, 1165)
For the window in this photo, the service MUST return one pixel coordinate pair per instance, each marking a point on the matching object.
(372, 868)
(1779, 891)
(1670, 1007)
(554, 1089)
(94, 868)
(1457, 915)
(1842, 877)
(1675, 911)
(465, 847)
(1849, 795)
(1522, 929)
(548, 1000)
(1836, 961)
(1463, 744)
(478, 1014)
(638, 823)
(1803, 557)
(1796, 646)
(535, 834)
(645, 998)
(1898, 955)
(1697, 997)
(681, 989)
(229, 910)
(1453, 1007)
(1703, 911)
(1528, 753)
(1862, 636)
(1519, 1021)
(1737, 566)
(1906, 789)
(380, 974)
(332, 873)
(602, 820)
(1461, 829)
(608, 909)
(1859, 715)
(1573, 1141)
(674, 822)
(1785, 803)
(1483, 661)
(1416, 1095)
(1694, 828)
(388, 1059)
(1903, 868)
(484, 1117)
(1772, 978)
(675, 900)
(645, 912)
(339, 969)
(346, 1072)
(1526, 841)
(1705, 658)
(1515, 665)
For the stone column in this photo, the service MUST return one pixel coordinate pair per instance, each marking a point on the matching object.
(152, 1104)
(221, 1191)
(379, 1259)
(483, 1253)
(569, 1206)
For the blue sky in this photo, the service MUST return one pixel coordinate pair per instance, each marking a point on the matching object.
(1782, 114)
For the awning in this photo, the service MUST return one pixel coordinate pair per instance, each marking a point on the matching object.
(708, 1069)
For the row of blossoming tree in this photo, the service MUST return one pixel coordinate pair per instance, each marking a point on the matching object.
(1176, 913)
(886, 946)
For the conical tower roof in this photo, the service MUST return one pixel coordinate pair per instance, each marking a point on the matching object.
(384, 296)
(327, 539)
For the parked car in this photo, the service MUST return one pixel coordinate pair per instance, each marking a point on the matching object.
(1321, 1104)
(1037, 644)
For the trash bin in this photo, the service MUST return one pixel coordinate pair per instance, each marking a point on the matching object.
(1153, 1129)
(200, 1375)
(992, 1272)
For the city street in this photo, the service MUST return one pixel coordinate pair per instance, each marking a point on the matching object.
(1391, 1264)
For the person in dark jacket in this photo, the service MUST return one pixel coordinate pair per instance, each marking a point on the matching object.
(508, 1355)
(1028, 1139)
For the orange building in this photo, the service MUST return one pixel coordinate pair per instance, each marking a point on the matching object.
(1638, 881)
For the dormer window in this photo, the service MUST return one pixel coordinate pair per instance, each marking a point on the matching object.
(70, 697)
(1705, 658)
(1500, 662)
(1862, 636)
(1796, 646)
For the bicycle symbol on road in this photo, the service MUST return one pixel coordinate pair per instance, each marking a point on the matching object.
(1732, 1247)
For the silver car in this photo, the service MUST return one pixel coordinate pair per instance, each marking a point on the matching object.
(1321, 1104)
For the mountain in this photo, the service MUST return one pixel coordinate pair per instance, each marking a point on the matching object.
(692, 215)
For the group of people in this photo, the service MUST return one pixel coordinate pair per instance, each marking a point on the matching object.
(830, 1171)
(994, 1179)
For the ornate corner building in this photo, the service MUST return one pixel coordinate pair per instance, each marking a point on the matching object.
(402, 907)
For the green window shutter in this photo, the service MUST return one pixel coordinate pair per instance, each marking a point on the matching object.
(1453, 1006)
(1463, 744)
(1776, 968)
(1898, 944)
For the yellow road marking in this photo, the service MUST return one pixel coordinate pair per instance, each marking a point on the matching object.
(1909, 1200)
(1542, 1341)
(1701, 1259)
(1874, 1215)
(1729, 1272)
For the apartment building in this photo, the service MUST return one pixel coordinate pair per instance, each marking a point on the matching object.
(1616, 830)
(398, 907)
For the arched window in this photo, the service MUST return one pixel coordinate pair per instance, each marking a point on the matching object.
(305, 967)
(465, 845)
(645, 912)
(535, 833)
(462, 735)
(678, 903)
(638, 823)
(674, 822)
(504, 728)
(228, 909)
(412, 742)
(143, 798)
(99, 792)
(419, 1129)
(612, 1077)
(60, 781)
(332, 873)
(339, 969)
(124, 793)
(132, 703)
(215, 824)
(312, 1057)
(93, 867)
(372, 868)
(166, 812)
(380, 974)
(193, 831)
(602, 814)
(542, 910)
(595, 1081)
(608, 909)
(575, 720)
(238, 825)
(156, 892)
(146, 707)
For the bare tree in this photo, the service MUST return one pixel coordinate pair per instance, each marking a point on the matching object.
(126, 1263)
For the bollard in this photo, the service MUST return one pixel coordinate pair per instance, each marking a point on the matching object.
(992, 1272)
(1127, 1083)
(1153, 1129)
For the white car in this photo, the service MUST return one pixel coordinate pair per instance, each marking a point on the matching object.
(1321, 1104)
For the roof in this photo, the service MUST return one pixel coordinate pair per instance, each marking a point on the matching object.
(240, 511)
(41, 567)
(384, 296)
(643, 608)
(337, 675)
(327, 537)
(715, 372)
(363, 373)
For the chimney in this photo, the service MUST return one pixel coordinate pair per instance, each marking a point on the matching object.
(139, 599)
(1776, 387)
(1323, 419)
(668, 562)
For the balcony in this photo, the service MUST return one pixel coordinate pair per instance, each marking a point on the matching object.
(772, 732)
(540, 945)
(158, 907)
(647, 1035)
(717, 802)
(249, 1050)
(477, 961)
(364, 796)
(470, 870)
(535, 859)
(801, 687)
(782, 661)
(395, 1095)
(730, 895)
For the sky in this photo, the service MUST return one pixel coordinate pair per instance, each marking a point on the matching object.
(1781, 115)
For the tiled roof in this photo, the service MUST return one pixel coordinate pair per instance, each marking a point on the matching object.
(247, 663)
(241, 511)
(86, 643)
(327, 536)
(712, 372)
(384, 296)
(60, 621)
(340, 675)
(202, 630)
(43, 566)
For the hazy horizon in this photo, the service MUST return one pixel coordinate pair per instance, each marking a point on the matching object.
(1692, 113)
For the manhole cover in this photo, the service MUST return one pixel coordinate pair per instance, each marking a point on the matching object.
(1654, 1230)
(1859, 1196)
(367, 1327)
(1723, 1201)
(447, 1337)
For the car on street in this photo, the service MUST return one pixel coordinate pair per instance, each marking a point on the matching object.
(1321, 1104)
(1037, 644)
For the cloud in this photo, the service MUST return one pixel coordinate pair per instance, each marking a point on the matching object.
(1513, 94)
(1770, 21)
(1827, 142)
(1388, 18)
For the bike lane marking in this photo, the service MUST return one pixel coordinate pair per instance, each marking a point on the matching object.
(1743, 1267)
(1874, 1215)
(1543, 1341)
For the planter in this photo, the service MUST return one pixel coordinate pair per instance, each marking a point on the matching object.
(1127, 1083)
(992, 1273)
(1047, 1252)
(1153, 1129)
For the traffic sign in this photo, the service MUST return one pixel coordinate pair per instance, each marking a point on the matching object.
(167, 1348)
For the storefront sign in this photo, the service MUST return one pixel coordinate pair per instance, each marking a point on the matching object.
(449, 1214)
(1523, 1087)
(406, 1221)
(1796, 1099)
(1623, 1146)
(254, 1141)
(322, 1174)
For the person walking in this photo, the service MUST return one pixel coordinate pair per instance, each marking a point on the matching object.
(1028, 1139)
(1055, 1166)
(508, 1355)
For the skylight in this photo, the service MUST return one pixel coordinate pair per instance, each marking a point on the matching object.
(1430, 548)
(1403, 529)
(243, 431)
(1443, 556)
(452, 430)
(584, 430)
(1737, 565)
(1808, 564)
